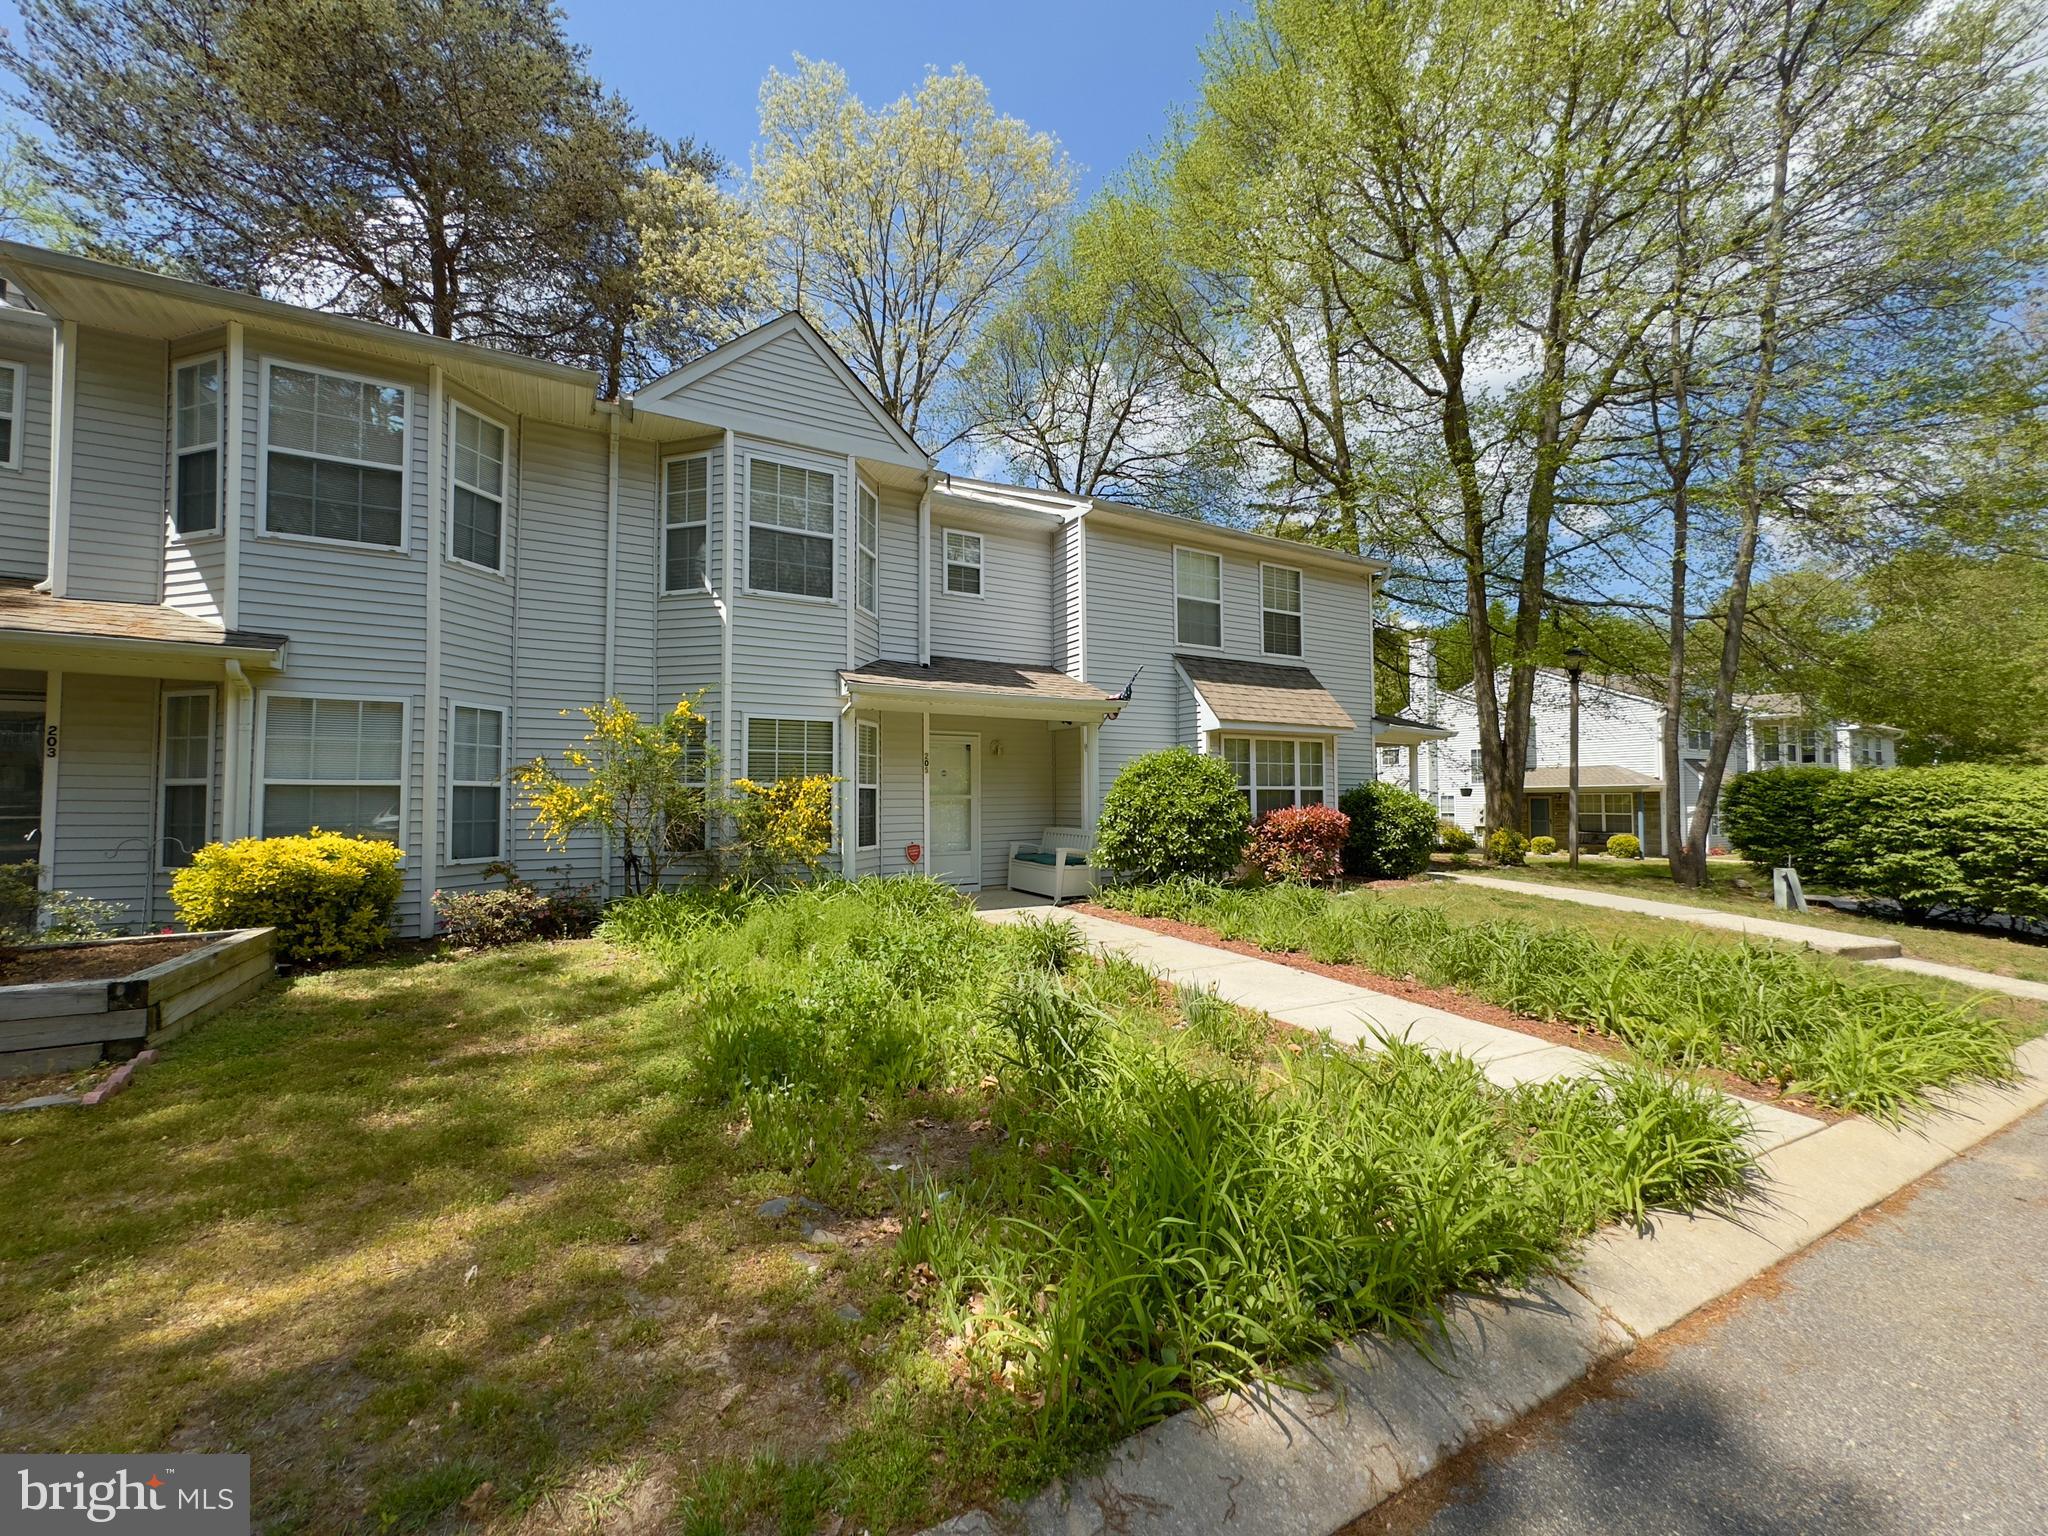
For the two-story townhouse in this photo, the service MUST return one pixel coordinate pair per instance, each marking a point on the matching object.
(264, 568)
(1621, 766)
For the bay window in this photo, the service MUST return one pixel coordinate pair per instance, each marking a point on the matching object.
(1276, 772)
(790, 522)
(478, 491)
(335, 764)
(195, 452)
(334, 457)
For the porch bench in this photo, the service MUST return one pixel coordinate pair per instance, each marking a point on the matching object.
(1056, 865)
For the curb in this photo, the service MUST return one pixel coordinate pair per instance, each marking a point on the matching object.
(1282, 1462)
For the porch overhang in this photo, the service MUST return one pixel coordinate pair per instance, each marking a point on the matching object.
(1400, 731)
(39, 632)
(1552, 781)
(959, 686)
(1260, 696)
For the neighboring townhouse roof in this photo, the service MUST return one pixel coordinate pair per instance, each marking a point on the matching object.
(1400, 731)
(1591, 776)
(75, 630)
(983, 687)
(1263, 693)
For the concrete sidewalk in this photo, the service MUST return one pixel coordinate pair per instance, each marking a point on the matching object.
(1352, 1013)
(1850, 946)
(1983, 981)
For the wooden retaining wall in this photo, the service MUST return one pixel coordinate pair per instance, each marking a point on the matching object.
(58, 1025)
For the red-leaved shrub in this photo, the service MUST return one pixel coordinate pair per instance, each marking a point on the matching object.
(1304, 843)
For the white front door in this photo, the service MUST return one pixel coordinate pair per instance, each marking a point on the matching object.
(956, 810)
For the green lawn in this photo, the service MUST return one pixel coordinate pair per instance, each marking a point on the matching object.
(1848, 1036)
(479, 1242)
(1651, 880)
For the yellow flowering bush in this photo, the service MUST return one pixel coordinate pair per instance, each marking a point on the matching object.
(784, 825)
(644, 782)
(328, 895)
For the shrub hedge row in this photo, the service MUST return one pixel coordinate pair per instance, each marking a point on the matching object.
(1965, 836)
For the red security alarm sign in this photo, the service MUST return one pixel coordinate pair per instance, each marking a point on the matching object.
(914, 852)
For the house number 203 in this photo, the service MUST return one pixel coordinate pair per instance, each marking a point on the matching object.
(50, 741)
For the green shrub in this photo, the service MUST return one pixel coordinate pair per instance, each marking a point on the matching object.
(328, 896)
(1963, 836)
(1543, 845)
(32, 915)
(518, 914)
(1452, 838)
(1392, 832)
(1624, 845)
(1770, 816)
(1504, 845)
(1173, 813)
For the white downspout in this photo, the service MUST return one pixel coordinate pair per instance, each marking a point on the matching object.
(231, 496)
(64, 411)
(52, 748)
(240, 726)
(924, 603)
(925, 836)
(611, 605)
(729, 613)
(430, 768)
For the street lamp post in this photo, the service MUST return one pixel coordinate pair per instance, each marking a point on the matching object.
(1574, 664)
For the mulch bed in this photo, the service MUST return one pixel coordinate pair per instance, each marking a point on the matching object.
(91, 962)
(1462, 1004)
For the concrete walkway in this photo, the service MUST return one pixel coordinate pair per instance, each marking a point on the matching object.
(1850, 946)
(1352, 1013)
(1983, 981)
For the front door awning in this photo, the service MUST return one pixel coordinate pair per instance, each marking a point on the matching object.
(69, 634)
(962, 686)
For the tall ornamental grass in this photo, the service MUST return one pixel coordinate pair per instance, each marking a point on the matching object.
(1168, 1202)
(1875, 1046)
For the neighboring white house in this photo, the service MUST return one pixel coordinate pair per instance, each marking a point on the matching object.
(263, 568)
(1621, 777)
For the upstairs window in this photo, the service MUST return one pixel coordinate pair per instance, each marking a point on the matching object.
(195, 437)
(476, 772)
(789, 529)
(13, 395)
(868, 538)
(1280, 609)
(686, 503)
(479, 491)
(334, 458)
(963, 563)
(1198, 598)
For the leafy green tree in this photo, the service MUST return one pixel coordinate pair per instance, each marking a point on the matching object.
(449, 166)
(899, 231)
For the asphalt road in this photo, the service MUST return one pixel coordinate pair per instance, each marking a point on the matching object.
(1893, 1379)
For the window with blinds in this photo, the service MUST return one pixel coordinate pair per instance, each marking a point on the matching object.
(334, 457)
(335, 764)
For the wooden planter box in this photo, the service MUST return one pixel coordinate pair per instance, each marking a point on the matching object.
(56, 1026)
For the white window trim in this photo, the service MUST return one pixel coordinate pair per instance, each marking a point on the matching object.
(341, 696)
(20, 417)
(163, 779)
(263, 528)
(1193, 645)
(1299, 614)
(664, 527)
(747, 526)
(1327, 743)
(860, 727)
(504, 754)
(457, 409)
(864, 551)
(220, 480)
(979, 565)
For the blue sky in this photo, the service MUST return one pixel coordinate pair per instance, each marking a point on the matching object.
(1100, 76)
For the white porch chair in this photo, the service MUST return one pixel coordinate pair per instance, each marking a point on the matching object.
(1056, 865)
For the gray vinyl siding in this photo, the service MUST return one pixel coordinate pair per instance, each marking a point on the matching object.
(639, 577)
(902, 789)
(1066, 778)
(785, 390)
(117, 477)
(106, 788)
(1069, 615)
(898, 581)
(561, 605)
(688, 634)
(25, 490)
(1131, 624)
(356, 615)
(1012, 619)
